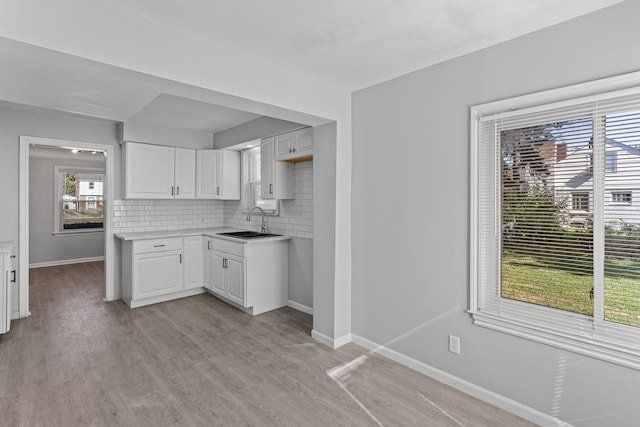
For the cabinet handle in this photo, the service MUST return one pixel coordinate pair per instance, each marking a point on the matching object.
(180, 258)
(159, 246)
(295, 149)
(270, 188)
(172, 190)
(208, 245)
(13, 279)
(178, 190)
(217, 191)
(224, 263)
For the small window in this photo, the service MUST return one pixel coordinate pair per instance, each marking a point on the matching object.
(79, 200)
(621, 197)
(251, 183)
(580, 201)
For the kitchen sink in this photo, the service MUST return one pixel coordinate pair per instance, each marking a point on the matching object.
(248, 234)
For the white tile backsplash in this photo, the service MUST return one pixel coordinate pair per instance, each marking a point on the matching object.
(295, 219)
(296, 216)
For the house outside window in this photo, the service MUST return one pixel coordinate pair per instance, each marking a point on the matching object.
(79, 200)
(554, 259)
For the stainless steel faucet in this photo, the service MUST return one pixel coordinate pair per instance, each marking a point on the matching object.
(264, 226)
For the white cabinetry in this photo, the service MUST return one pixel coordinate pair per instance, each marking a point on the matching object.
(294, 146)
(218, 174)
(5, 286)
(207, 262)
(153, 271)
(193, 262)
(277, 177)
(185, 173)
(228, 277)
(158, 172)
(253, 276)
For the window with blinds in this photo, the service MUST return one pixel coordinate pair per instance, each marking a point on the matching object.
(251, 194)
(556, 220)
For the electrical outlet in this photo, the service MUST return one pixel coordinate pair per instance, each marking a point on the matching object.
(454, 344)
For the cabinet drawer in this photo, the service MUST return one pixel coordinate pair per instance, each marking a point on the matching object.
(157, 245)
(233, 248)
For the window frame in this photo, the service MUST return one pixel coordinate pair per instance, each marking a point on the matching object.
(58, 229)
(244, 196)
(589, 335)
(623, 193)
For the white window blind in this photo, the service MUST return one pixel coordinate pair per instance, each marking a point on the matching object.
(555, 226)
(251, 187)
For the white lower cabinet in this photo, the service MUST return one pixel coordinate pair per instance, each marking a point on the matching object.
(207, 261)
(157, 273)
(228, 277)
(193, 262)
(253, 276)
(153, 270)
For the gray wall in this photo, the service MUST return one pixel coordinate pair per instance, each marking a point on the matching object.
(15, 123)
(163, 135)
(324, 200)
(411, 187)
(44, 247)
(259, 128)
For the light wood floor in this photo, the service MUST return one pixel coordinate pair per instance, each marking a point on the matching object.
(78, 361)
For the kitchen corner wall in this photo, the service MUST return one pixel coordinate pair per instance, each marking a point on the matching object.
(295, 219)
(296, 216)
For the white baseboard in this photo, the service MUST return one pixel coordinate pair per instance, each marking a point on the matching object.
(65, 262)
(15, 315)
(300, 307)
(523, 411)
(331, 342)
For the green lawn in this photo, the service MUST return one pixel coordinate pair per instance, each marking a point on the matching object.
(526, 278)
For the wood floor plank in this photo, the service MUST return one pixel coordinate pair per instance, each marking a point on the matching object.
(200, 362)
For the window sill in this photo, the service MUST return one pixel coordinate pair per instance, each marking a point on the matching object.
(610, 344)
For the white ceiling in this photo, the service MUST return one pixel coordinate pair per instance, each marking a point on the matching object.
(351, 44)
(358, 43)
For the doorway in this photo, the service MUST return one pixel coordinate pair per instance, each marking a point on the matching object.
(27, 144)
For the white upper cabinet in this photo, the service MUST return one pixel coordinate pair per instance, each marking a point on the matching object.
(277, 180)
(185, 174)
(158, 172)
(218, 174)
(294, 146)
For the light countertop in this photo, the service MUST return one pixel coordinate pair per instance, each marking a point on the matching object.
(208, 232)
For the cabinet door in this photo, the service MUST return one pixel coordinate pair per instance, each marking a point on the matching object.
(235, 279)
(283, 146)
(207, 250)
(218, 284)
(157, 273)
(267, 171)
(185, 174)
(149, 171)
(229, 176)
(193, 262)
(208, 174)
(303, 145)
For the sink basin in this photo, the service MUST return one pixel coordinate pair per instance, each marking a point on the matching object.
(248, 234)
